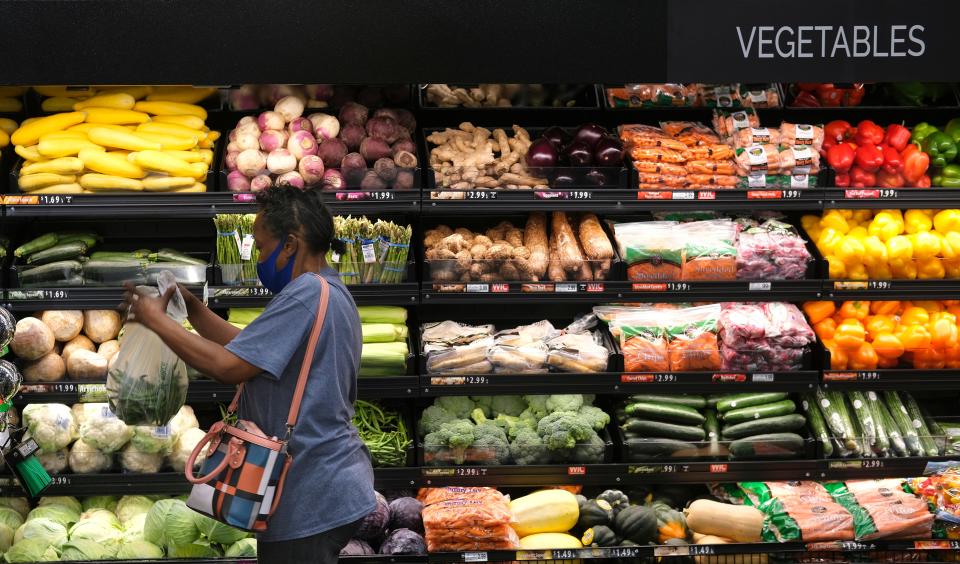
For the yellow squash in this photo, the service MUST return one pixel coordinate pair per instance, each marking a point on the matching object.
(545, 511)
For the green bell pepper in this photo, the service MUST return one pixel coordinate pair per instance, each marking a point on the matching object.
(953, 129)
(921, 131)
(941, 148)
(948, 182)
(947, 177)
(910, 93)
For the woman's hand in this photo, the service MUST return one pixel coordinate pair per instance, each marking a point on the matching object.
(144, 308)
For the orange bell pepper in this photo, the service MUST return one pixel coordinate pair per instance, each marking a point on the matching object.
(888, 345)
(863, 358)
(850, 334)
(952, 357)
(838, 356)
(914, 315)
(883, 362)
(877, 324)
(818, 311)
(825, 328)
(943, 333)
(954, 309)
(929, 359)
(884, 307)
(932, 306)
(855, 309)
(915, 338)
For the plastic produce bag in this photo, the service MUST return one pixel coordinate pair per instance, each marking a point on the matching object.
(147, 385)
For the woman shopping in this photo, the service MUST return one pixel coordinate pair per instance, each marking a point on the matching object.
(328, 487)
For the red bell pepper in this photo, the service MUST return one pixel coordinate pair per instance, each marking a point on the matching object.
(805, 100)
(897, 136)
(831, 96)
(915, 163)
(842, 180)
(837, 130)
(923, 181)
(860, 178)
(869, 158)
(840, 157)
(892, 163)
(890, 180)
(869, 133)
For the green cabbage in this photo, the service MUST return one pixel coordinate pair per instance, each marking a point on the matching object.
(59, 513)
(18, 504)
(83, 549)
(133, 529)
(218, 532)
(104, 516)
(99, 530)
(6, 537)
(170, 521)
(139, 550)
(65, 500)
(48, 530)
(107, 502)
(130, 505)
(32, 550)
(193, 550)
(241, 548)
(10, 517)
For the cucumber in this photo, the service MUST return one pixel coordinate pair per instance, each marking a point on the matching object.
(650, 429)
(171, 255)
(898, 447)
(769, 425)
(113, 273)
(696, 402)
(735, 401)
(51, 274)
(105, 256)
(883, 439)
(927, 443)
(898, 412)
(935, 429)
(644, 447)
(712, 427)
(863, 444)
(41, 243)
(774, 409)
(853, 436)
(818, 426)
(60, 251)
(89, 239)
(666, 412)
(712, 399)
(771, 445)
(620, 414)
(862, 410)
(832, 406)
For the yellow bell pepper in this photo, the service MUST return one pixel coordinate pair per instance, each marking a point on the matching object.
(885, 307)
(877, 324)
(847, 214)
(879, 271)
(903, 269)
(862, 216)
(857, 272)
(915, 221)
(850, 250)
(859, 233)
(808, 221)
(818, 311)
(946, 221)
(887, 345)
(930, 268)
(886, 225)
(837, 270)
(875, 251)
(855, 309)
(925, 245)
(899, 248)
(835, 220)
(914, 315)
(828, 239)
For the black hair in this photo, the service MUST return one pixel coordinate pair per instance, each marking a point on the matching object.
(286, 210)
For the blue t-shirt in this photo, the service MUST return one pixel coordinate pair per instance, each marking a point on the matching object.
(330, 482)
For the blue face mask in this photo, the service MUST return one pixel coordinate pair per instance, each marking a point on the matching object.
(271, 278)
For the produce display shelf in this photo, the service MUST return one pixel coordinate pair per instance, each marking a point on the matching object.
(619, 383)
(404, 294)
(880, 198)
(891, 379)
(69, 297)
(944, 289)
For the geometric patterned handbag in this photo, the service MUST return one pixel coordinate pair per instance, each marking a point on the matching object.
(242, 477)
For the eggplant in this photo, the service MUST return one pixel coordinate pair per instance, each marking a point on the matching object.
(608, 152)
(590, 133)
(596, 178)
(578, 153)
(541, 155)
(557, 136)
(563, 180)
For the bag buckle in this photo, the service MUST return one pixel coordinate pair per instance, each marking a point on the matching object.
(286, 439)
(236, 452)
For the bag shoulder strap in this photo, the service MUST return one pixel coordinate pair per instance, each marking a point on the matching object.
(307, 358)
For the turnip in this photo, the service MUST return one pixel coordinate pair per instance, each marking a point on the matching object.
(247, 141)
(244, 98)
(320, 91)
(386, 112)
(273, 139)
(352, 112)
(230, 160)
(232, 136)
(333, 179)
(385, 169)
(405, 159)
(404, 145)
(281, 161)
(372, 181)
(384, 128)
(373, 149)
(311, 169)
(291, 178)
(251, 162)
(406, 119)
(246, 120)
(290, 107)
(237, 182)
(260, 183)
(404, 180)
(232, 147)
(353, 167)
(325, 126)
(273, 93)
(300, 124)
(271, 120)
(352, 135)
(332, 152)
(301, 144)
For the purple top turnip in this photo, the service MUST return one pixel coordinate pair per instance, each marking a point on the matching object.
(404, 145)
(290, 107)
(311, 169)
(291, 178)
(352, 112)
(352, 135)
(384, 128)
(301, 144)
(353, 168)
(385, 169)
(372, 181)
(405, 159)
(406, 119)
(386, 112)
(325, 126)
(272, 139)
(300, 124)
(281, 161)
(320, 91)
(237, 182)
(230, 160)
(271, 120)
(333, 179)
(252, 162)
(244, 98)
(373, 149)
(246, 140)
(332, 152)
(404, 180)
(260, 183)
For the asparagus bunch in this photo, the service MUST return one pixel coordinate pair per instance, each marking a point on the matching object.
(376, 252)
(232, 230)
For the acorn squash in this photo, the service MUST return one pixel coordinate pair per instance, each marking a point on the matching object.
(600, 535)
(616, 498)
(671, 524)
(637, 523)
(595, 512)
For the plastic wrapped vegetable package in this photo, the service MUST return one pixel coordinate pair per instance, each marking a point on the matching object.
(147, 385)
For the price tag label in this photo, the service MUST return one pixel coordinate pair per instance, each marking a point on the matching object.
(536, 288)
(595, 287)
(872, 463)
(678, 286)
(648, 287)
(879, 284)
(566, 288)
(59, 480)
(765, 194)
(936, 545)
(576, 471)
(474, 380)
(244, 198)
(657, 469)
(671, 550)
(63, 388)
(684, 196)
(760, 286)
(868, 376)
(381, 196)
(91, 393)
(54, 200)
(259, 292)
(623, 552)
(862, 194)
(474, 556)
(839, 376)
(849, 285)
(500, 288)
(718, 468)
(663, 378)
(654, 195)
(469, 472)
(478, 288)
(724, 378)
(765, 378)
(55, 294)
(479, 195)
(566, 554)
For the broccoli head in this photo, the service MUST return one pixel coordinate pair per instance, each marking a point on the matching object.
(588, 451)
(597, 417)
(483, 403)
(459, 433)
(460, 406)
(449, 442)
(508, 405)
(563, 430)
(478, 416)
(432, 418)
(564, 402)
(512, 425)
(490, 444)
(537, 405)
(527, 448)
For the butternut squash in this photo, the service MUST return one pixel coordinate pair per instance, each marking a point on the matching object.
(545, 511)
(737, 522)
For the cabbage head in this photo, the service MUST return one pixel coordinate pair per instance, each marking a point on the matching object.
(83, 549)
(170, 522)
(32, 550)
(48, 530)
(59, 513)
(102, 515)
(133, 529)
(152, 440)
(139, 550)
(102, 530)
(242, 548)
(130, 505)
(6, 537)
(108, 502)
(10, 518)
(18, 504)
(193, 550)
(217, 532)
(65, 500)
